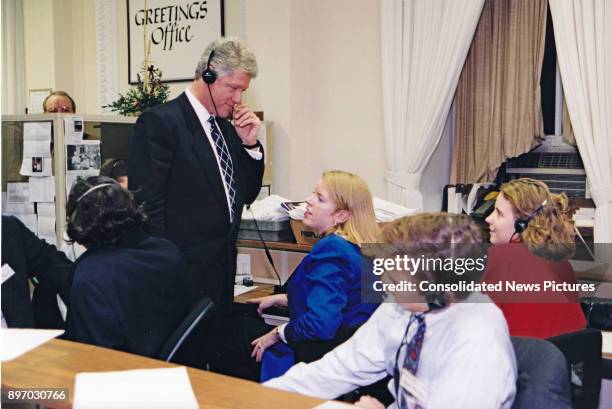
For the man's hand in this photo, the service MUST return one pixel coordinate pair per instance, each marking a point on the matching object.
(369, 402)
(246, 123)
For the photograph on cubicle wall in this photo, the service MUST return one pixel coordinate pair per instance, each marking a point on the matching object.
(83, 157)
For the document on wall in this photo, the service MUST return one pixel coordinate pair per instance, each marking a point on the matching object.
(17, 208)
(73, 129)
(16, 342)
(30, 221)
(45, 209)
(46, 229)
(42, 189)
(139, 388)
(36, 148)
(17, 192)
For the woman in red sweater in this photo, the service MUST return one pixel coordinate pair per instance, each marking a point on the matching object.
(532, 237)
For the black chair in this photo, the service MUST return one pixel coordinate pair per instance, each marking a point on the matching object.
(186, 345)
(542, 375)
(583, 347)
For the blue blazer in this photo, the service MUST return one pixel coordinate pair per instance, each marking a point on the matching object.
(324, 295)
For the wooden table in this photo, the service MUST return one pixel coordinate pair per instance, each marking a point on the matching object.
(262, 290)
(55, 364)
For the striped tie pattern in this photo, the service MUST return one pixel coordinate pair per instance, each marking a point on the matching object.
(225, 160)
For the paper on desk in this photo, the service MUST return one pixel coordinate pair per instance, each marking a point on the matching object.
(42, 189)
(16, 342)
(240, 289)
(267, 209)
(140, 388)
(387, 211)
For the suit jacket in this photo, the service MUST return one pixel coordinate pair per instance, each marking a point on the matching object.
(173, 171)
(130, 296)
(31, 257)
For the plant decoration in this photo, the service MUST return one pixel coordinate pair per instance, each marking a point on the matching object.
(148, 93)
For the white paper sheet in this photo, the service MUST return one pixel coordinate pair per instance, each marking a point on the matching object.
(42, 189)
(46, 227)
(606, 342)
(30, 221)
(37, 97)
(18, 208)
(16, 342)
(17, 192)
(7, 272)
(73, 129)
(142, 388)
(240, 289)
(45, 209)
(36, 167)
(37, 132)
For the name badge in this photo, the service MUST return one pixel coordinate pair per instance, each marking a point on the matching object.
(414, 387)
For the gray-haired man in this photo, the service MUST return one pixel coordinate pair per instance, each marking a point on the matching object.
(194, 169)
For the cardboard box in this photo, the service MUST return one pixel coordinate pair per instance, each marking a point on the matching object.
(303, 234)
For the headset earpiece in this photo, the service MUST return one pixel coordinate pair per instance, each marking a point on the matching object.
(209, 76)
(520, 225)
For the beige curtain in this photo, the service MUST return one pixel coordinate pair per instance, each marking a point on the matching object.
(498, 112)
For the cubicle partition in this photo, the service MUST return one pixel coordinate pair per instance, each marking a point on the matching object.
(103, 137)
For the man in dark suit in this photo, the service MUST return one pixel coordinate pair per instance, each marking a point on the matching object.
(194, 170)
(32, 258)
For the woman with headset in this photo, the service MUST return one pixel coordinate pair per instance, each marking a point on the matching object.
(324, 292)
(443, 349)
(532, 237)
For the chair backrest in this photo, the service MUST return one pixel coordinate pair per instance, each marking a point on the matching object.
(543, 380)
(183, 344)
(584, 347)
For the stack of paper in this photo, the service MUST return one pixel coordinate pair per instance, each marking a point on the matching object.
(387, 211)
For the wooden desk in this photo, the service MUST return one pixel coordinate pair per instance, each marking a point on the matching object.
(275, 245)
(262, 290)
(56, 363)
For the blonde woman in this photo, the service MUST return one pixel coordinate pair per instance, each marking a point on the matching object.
(324, 291)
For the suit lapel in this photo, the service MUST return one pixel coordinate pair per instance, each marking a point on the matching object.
(204, 152)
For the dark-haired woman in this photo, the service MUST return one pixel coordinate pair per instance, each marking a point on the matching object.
(129, 291)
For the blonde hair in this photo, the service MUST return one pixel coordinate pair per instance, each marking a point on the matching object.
(349, 192)
(550, 232)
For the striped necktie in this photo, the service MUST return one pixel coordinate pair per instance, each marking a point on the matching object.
(225, 161)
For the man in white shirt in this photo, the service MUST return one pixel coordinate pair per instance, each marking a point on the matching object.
(465, 358)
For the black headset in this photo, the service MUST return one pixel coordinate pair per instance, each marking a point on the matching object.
(520, 225)
(209, 76)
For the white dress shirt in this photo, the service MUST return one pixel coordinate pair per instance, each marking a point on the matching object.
(467, 359)
(203, 116)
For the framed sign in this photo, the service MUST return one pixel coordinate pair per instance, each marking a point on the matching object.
(175, 33)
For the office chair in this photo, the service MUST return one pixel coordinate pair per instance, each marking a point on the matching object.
(583, 347)
(542, 375)
(185, 344)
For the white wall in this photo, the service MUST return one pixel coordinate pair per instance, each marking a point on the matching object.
(319, 81)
